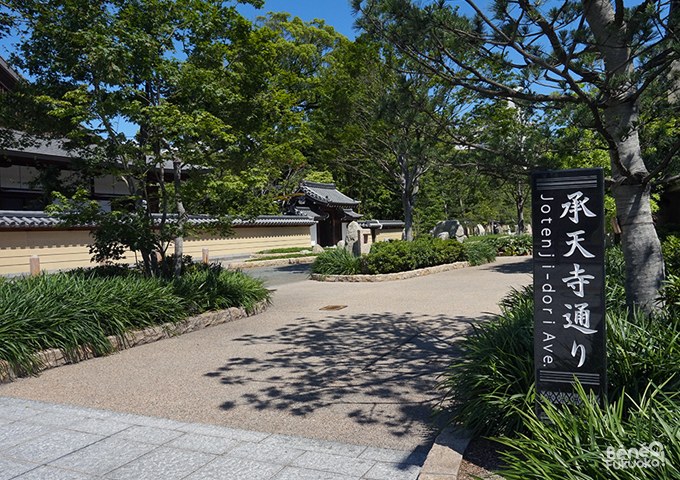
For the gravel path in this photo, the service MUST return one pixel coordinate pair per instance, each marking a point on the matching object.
(361, 375)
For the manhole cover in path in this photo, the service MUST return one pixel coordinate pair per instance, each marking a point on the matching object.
(333, 307)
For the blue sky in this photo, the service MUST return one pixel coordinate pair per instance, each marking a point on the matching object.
(336, 13)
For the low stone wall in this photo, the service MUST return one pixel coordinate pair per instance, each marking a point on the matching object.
(271, 263)
(387, 277)
(55, 357)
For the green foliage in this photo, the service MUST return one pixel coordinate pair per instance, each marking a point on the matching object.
(401, 256)
(582, 443)
(671, 254)
(671, 294)
(210, 287)
(283, 250)
(485, 390)
(67, 310)
(336, 261)
(319, 177)
(512, 245)
(479, 253)
(84, 306)
(280, 257)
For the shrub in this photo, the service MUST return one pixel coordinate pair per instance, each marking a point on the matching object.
(336, 261)
(577, 442)
(486, 387)
(400, 256)
(671, 255)
(84, 306)
(479, 253)
(210, 287)
(512, 245)
(65, 311)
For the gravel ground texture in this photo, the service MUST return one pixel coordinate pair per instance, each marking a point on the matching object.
(481, 459)
(364, 374)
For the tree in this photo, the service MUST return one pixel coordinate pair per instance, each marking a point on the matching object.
(596, 54)
(384, 119)
(164, 66)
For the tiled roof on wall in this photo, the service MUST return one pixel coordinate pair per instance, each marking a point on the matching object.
(34, 219)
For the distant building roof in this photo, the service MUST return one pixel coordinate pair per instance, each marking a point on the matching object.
(26, 146)
(327, 194)
(8, 76)
(35, 219)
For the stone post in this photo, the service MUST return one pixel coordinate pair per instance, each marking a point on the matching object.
(34, 265)
(206, 256)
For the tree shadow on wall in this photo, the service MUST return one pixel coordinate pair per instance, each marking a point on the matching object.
(377, 368)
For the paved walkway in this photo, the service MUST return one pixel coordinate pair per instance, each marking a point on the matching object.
(348, 392)
(45, 441)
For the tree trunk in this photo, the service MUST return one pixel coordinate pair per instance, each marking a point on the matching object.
(181, 219)
(409, 191)
(639, 240)
(408, 204)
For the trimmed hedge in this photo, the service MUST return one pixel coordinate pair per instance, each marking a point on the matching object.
(402, 256)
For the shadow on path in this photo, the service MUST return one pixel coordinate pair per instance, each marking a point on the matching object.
(376, 368)
(524, 266)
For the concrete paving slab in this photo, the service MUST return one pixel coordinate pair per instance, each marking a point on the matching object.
(392, 471)
(266, 453)
(292, 473)
(98, 426)
(236, 469)
(52, 473)
(103, 457)
(163, 463)
(321, 446)
(204, 443)
(11, 467)
(15, 433)
(141, 433)
(334, 464)
(51, 446)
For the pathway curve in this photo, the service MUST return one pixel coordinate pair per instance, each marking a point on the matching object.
(362, 375)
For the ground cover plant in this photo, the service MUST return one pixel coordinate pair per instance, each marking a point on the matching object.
(489, 390)
(281, 257)
(82, 307)
(336, 261)
(283, 250)
(510, 245)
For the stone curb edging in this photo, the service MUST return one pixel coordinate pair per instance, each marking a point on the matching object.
(386, 277)
(444, 459)
(55, 357)
(271, 263)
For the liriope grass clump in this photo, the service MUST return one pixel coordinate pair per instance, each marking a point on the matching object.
(81, 308)
(623, 439)
(65, 311)
(210, 287)
(336, 261)
(492, 382)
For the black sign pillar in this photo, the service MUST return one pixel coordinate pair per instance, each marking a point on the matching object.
(569, 310)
